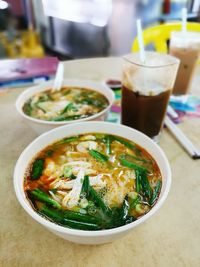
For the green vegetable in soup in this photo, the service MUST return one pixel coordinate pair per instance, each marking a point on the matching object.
(144, 186)
(68, 140)
(87, 189)
(155, 193)
(37, 169)
(69, 103)
(38, 194)
(98, 156)
(98, 200)
(85, 186)
(68, 220)
(69, 118)
(108, 140)
(69, 107)
(130, 164)
(127, 144)
(28, 108)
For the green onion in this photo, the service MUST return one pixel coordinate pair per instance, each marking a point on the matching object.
(39, 107)
(68, 140)
(42, 196)
(98, 200)
(155, 193)
(130, 164)
(127, 144)
(108, 140)
(68, 107)
(145, 186)
(70, 219)
(69, 118)
(37, 169)
(98, 156)
(85, 186)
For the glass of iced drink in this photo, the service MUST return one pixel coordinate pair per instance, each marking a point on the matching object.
(186, 47)
(146, 88)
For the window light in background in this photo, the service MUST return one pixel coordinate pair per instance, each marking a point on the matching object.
(80, 11)
(3, 4)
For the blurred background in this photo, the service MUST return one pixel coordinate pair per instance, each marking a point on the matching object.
(79, 29)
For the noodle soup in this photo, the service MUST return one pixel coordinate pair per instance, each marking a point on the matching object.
(93, 182)
(68, 104)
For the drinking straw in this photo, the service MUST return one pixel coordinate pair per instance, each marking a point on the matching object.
(140, 40)
(184, 20)
(59, 77)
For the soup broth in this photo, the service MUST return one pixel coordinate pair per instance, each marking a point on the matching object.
(69, 103)
(92, 182)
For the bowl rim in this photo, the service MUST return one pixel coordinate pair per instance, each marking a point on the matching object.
(85, 233)
(48, 83)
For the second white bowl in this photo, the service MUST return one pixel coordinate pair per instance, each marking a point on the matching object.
(41, 126)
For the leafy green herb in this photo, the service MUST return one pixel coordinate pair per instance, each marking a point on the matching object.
(37, 169)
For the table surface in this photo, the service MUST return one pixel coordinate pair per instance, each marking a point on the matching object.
(170, 238)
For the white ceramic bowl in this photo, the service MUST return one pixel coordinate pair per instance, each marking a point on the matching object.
(80, 236)
(41, 126)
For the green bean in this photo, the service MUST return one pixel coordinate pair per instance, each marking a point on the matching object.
(155, 193)
(43, 197)
(98, 156)
(37, 169)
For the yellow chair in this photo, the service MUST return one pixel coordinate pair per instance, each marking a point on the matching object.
(159, 35)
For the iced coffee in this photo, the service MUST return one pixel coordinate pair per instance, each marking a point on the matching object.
(146, 88)
(186, 47)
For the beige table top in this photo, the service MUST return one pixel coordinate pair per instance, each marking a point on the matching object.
(170, 238)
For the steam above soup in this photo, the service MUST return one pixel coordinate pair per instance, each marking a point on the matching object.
(92, 182)
(69, 103)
